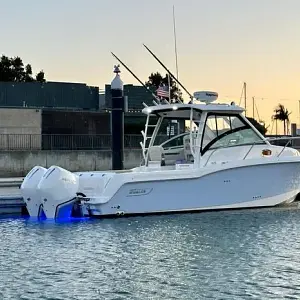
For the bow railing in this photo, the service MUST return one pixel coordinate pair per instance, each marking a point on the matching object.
(288, 141)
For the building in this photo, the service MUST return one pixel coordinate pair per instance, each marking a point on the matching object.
(65, 95)
(20, 128)
(58, 115)
(86, 129)
(136, 95)
(58, 95)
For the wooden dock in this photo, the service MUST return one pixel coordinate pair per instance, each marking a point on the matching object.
(11, 202)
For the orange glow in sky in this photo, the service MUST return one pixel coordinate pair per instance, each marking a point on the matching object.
(221, 44)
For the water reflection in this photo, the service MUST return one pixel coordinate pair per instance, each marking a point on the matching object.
(220, 255)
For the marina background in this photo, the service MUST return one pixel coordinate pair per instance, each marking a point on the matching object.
(220, 44)
(68, 124)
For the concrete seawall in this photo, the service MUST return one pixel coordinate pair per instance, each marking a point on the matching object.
(19, 163)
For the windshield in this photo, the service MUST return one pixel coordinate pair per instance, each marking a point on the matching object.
(226, 131)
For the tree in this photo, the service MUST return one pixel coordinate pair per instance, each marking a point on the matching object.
(40, 76)
(260, 127)
(156, 79)
(28, 74)
(283, 115)
(12, 69)
(5, 69)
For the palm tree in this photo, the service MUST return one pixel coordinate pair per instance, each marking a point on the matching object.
(283, 115)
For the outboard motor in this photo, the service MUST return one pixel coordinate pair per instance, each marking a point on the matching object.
(30, 193)
(58, 189)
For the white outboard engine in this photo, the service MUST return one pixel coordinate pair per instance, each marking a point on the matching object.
(30, 193)
(58, 189)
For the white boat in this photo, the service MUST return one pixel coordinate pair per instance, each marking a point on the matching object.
(222, 162)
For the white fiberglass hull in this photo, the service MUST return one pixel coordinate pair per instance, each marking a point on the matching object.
(248, 186)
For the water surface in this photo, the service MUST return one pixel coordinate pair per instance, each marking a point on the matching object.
(251, 254)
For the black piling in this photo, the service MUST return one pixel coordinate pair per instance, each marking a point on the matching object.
(117, 121)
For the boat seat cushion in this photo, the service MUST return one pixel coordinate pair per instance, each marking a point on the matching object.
(156, 153)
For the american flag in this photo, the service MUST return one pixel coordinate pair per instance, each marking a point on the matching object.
(163, 91)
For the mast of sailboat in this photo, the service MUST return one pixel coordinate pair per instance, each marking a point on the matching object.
(169, 72)
(253, 104)
(245, 97)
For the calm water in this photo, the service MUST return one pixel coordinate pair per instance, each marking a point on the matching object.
(220, 255)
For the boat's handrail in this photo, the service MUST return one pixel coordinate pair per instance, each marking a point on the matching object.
(283, 138)
(212, 152)
(218, 148)
(255, 143)
(289, 138)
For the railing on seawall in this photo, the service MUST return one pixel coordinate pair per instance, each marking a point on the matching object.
(11, 182)
(23, 142)
(33, 142)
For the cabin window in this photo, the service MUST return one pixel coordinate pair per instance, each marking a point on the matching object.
(227, 131)
(175, 123)
(175, 142)
(167, 131)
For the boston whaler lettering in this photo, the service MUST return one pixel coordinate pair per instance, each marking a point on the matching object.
(221, 161)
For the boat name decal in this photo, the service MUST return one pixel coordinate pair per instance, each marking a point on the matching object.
(68, 180)
(139, 192)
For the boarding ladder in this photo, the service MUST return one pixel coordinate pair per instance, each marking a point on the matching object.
(148, 134)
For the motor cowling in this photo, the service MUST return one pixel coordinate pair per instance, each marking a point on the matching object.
(58, 189)
(29, 190)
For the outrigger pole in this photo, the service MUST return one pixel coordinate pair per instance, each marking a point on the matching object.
(147, 88)
(169, 72)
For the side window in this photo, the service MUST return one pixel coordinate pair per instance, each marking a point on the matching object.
(177, 142)
(212, 124)
(211, 131)
(236, 122)
(223, 124)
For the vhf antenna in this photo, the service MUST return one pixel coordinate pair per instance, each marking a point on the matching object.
(147, 88)
(169, 72)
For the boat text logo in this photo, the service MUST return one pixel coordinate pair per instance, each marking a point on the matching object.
(139, 192)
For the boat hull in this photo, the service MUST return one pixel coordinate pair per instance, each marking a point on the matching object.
(249, 186)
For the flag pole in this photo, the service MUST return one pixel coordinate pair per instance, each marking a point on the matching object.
(169, 83)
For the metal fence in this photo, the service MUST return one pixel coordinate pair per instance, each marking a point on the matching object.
(80, 141)
(64, 142)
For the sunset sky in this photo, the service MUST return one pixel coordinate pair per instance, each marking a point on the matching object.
(221, 44)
